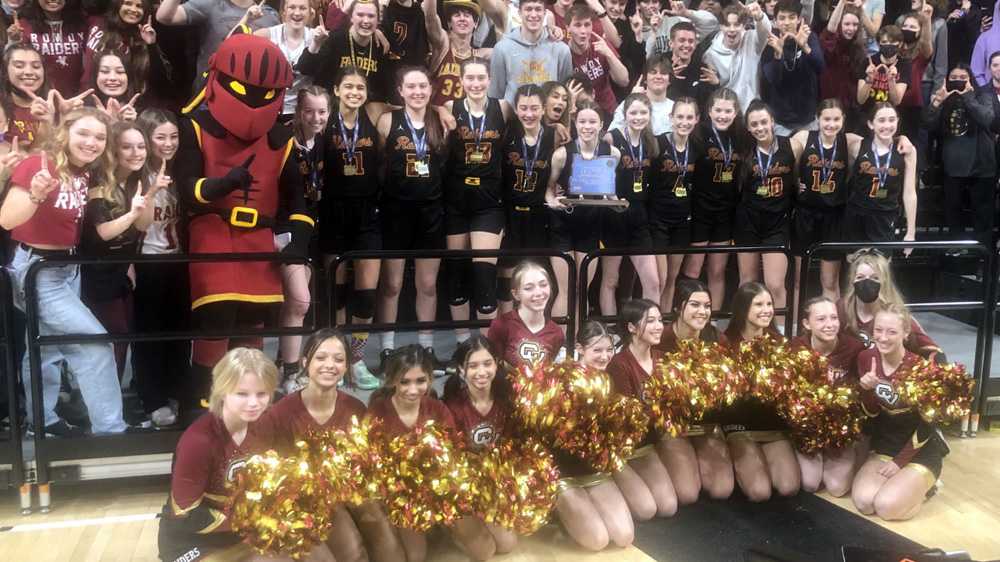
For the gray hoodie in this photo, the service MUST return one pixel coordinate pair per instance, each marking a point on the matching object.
(516, 62)
(738, 68)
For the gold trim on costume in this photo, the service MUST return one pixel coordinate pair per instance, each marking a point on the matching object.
(585, 481)
(194, 102)
(288, 150)
(304, 218)
(218, 518)
(218, 297)
(197, 191)
(923, 470)
(177, 510)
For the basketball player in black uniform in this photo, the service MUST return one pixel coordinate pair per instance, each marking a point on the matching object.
(527, 156)
(576, 230)
(630, 229)
(764, 215)
(881, 177)
(716, 190)
(473, 193)
(671, 186)
(413, 212)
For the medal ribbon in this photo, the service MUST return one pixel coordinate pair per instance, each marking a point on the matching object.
(419, 144)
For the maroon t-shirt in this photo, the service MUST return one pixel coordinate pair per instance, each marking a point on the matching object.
(62, 45)
(206, 463)
(842, 362)
(479, 431)
(57, 220)
(291, 421)
(596, 67)
(518, 345)
(382, 409)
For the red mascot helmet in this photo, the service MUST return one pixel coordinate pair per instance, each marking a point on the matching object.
(247, 78)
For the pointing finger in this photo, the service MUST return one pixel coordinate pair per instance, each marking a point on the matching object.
(248, 161)
(83, 94)
(13, 144)
(163, 168)
(131, 102)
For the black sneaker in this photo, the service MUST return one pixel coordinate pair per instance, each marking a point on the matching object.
(383, 361)
(62, 428)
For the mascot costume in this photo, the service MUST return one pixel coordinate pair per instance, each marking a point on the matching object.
(240, 178)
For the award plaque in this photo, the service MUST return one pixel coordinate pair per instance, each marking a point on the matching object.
(592, 183)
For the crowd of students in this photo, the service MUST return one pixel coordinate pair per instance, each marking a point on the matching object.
(889, 471)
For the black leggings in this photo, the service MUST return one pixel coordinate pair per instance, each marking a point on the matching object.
(981, 199)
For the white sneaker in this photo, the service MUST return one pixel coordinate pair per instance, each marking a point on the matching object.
(295, 383)
(165, 416)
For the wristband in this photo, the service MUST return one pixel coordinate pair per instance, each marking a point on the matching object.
(35, 200)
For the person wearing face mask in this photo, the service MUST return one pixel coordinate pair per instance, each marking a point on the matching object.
(872, 288)
(917, 48)
(883, 77)
(963, 117)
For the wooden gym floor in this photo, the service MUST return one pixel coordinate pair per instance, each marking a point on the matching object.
(114, 521)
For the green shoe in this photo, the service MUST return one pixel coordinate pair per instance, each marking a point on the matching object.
(363, 378)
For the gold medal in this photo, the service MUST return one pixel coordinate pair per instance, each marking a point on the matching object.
(727, 175)
(827, 187)
(350, 170)
(476, 157)
(679, 189)
(422, 168)
(637, 187)
(762, 190)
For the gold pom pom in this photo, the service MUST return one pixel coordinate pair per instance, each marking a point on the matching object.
(515, 485)
(941, 393)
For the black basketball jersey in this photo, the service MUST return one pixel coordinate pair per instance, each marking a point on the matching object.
(526, 168)
(475, 143)
(823, 173)
(411, 176)
(572, 151)
(672, 179)
(351, 161)
(716, 174)
(771, 184)
(632, 178)
(877, 180)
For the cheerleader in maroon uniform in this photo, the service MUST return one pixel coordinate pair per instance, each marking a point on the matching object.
(700, 458)
(403, 403)
(833, 468)
(762, 454)
(195, 522)
(908, 451)
(481, 404)
(644, 481)
(590, 505)
(320, 406)
(526, 335)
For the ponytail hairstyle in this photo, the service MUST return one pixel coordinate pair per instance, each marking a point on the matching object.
(807, 307)
(433, 127)
(830, 103)
(634, 312)
(516, 130)
(522, 269)
(400, 362)
(312, 345)
(473, 60)
(300, 101)
(148, 121)
(111, 188)
(647, 136)
(683, 290)
(591, 105)
(736, 130)
(500, 389)
(750, 148)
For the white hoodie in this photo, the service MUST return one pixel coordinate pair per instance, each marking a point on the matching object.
(738, 68)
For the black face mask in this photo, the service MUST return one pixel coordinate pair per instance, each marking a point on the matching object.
(909, 36)
(888, 51)
(867, 290)
(955, 85)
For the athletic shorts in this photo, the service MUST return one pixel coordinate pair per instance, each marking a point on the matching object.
(751, 418)
(627, 229)
(753, 227)
(349, 225)
(862, 225)
(527, 228)
(811, 225)
(471, 208)
(185, 547)
(712, 228)
(930, 457)
(412, 225)
(577, 231)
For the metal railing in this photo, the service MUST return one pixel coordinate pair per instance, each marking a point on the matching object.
(340, 259)
(14, 451)
(49, 450)
(763, 249)
(987, 305)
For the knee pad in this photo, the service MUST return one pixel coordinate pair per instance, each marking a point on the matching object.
(364, 303)
(484, 282)
(340, 292)
(458, 287)
(503, 289)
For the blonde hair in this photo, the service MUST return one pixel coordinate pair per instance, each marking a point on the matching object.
(233, 366)
(58, 146)
(111, 188)
(522, 269)
(898, 310)
(888, 293)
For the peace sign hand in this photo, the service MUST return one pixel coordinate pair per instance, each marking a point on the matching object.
(75, 102)
(147, 33)
(15, 31)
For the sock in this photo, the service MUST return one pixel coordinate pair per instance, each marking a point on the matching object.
(426, 339)
(359, 340)
(965, 423)
(389, 340)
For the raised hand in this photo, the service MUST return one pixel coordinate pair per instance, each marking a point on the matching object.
(43, 109)
(128, 112)
(870, 378)
(320, 34)
(10, 160)
(75, 102)
(254, 12)
(802, 36)
(239, 177)
(708, 74)
(640, 87)
(777, 44)
(147, 33)
(138, 205)
(161, 181)
(601, 46)
(42, 183)
(15, 31)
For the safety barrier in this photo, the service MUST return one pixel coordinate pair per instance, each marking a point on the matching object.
(987, 305)
(339, 260)
(11, 450)
(49, 451)
(763, 249)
